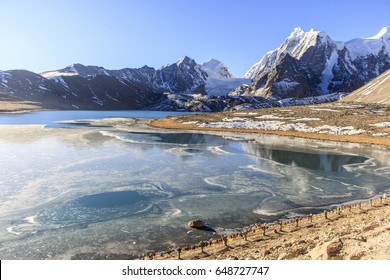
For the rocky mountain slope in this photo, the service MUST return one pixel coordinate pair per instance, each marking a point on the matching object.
(377, 91)
(312, 64)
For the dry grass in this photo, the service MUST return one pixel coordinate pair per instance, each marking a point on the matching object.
(7, 106)
(376, 91)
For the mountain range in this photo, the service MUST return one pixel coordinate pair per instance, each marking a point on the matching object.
(307, 67)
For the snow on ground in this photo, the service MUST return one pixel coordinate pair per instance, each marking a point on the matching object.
(246, 123)
(43, 88)
(270, 117)
(60, 80)
(381, 124)
(246, 113)
(285, 85)
(325, 109)
(380, 134)
(307, 119)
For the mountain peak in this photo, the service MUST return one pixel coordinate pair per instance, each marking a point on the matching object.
(185, 60)
(296, 45)
(216, 69)
(73, 67)
(297, 30)
(383, 33)
(296, 34)
(374, 45)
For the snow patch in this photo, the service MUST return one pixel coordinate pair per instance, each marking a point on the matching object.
(54, 74)
(112, 98)
(324, 109)
(381, 124)
(327, 74)
(244, 123)
(270, 117)
(307, 119)
(380, 134)
(246, 113)
(42, 88)
(286, 85)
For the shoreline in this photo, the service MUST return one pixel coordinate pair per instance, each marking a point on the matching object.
(349, 232)
(170, 124)
(173, 123)
(19, 107)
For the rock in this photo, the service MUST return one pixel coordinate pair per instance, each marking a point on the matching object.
(334, 249)
(370, 227)
(282, 256)
(266, 253)
(196, 223)
(293, 254)
(356, 256)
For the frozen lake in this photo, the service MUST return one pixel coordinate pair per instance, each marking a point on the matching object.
(98, 192)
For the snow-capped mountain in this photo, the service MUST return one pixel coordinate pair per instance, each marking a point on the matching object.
(219, 79)
(77, 92)
(76, 69)
(215, 69)
(311, 63)
(184, 76)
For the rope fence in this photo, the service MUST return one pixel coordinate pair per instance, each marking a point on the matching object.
(263, 229)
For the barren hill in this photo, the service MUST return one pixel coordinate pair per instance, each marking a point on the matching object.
(376, 91)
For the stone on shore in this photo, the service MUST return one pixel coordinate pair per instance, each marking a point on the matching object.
(334, 249)
(196, 223)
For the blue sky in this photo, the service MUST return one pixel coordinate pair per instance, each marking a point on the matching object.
(46, 35)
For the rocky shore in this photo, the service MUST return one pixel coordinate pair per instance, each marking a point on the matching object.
(352, 232)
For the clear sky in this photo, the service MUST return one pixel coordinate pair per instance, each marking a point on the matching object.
(44, 35)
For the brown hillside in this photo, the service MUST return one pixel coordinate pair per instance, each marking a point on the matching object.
(376, 91)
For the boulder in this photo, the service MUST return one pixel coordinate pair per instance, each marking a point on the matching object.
(334, 249)
(196, 223)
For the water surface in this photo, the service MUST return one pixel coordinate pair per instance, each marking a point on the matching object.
(91, 193)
